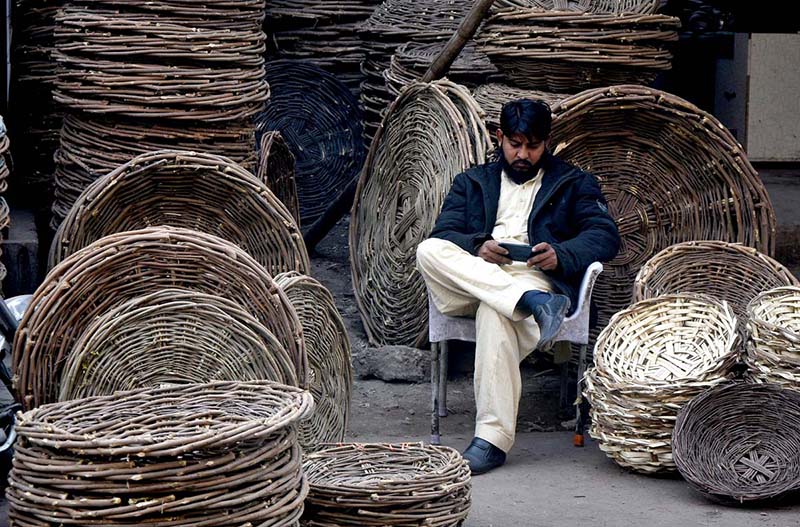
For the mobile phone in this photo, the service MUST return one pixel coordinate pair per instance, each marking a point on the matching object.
(519, 252)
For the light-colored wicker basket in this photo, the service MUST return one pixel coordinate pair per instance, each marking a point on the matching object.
(773, 348)
(652, 358)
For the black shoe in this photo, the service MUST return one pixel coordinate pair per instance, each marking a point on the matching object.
(549, 316)
(483, 456)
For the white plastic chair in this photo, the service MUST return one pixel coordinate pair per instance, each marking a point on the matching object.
(442, 328)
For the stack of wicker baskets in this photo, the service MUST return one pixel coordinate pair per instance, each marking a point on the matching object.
(431, 133)
(143, 76)
(328, 146)
(471, 68)
(491, 98)
(670, 172)
(569, 51)
(211, 454)
(329, 363)
(194, 190)
(383, 485)
(126, 266)
(738, 443)
(586, 6)
(654, 357)
(321, 32)
(394, 23)
(773, 350)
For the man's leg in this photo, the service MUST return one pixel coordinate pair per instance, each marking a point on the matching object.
(455, 277)
(501, 345)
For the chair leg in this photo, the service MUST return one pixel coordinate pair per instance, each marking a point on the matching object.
(435, 351)
(563, 400)
(443, 359)
(581, 404)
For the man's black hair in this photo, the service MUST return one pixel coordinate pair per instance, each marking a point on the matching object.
(528, 117)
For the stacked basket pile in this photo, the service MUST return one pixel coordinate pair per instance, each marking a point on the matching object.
(471, 68)
(394, 23)
(142, 76)
(773, 351)
(569, 51)
(431, 133)
(383, 485)
(491, 98)
(219, 454)
(321, 32)
(653, 358)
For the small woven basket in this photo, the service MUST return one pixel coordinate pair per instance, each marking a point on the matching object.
(329, 360)
(128, 265)
(652, 358)
(738, 443)
(173, 336)
(221, 453)
(773, 348)
(383, 485)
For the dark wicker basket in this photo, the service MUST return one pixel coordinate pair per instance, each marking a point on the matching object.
(328, 147)
(739, 443)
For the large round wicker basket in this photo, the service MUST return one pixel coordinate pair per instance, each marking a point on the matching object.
(129, 265)
(773, 347)
(194, 190)
(670, 172)
(739, 443)
(652, 358)
(173, 336)
(221, 453)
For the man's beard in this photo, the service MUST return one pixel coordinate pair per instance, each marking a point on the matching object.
(520, 170)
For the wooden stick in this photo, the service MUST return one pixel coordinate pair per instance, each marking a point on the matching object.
(439, 67)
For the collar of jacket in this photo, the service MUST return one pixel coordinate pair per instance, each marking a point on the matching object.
(556, 173)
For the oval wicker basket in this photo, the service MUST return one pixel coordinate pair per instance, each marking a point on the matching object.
(173, 336)
(773, 349)
(726, 271)
(328, 146)
(652, 358)
(670, 172)
(387, 484)
(221, 453)
(329, 361)
(194, 190)
(431, 133)
(128, 265)
(276, 170)
(738, 443)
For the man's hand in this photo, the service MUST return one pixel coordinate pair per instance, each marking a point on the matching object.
(546, 261)
(493, 253)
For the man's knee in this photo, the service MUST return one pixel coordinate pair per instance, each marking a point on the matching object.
(429, 252)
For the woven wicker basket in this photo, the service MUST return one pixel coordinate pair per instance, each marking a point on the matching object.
(773, 348)
(739, 443)
(329, 361)
(173, 336)
(726, 271)
(586, 6)
(491, 98)
(208, 454)
(129, 265)
(431, 133)
(385, 485)
(328, 147)
(195, 190)
(276, 170)
(670, 172)
(652, 358)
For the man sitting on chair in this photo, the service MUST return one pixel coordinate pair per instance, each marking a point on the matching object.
(528, 196)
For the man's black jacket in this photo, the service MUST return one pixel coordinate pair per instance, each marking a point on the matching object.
(569, 212)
